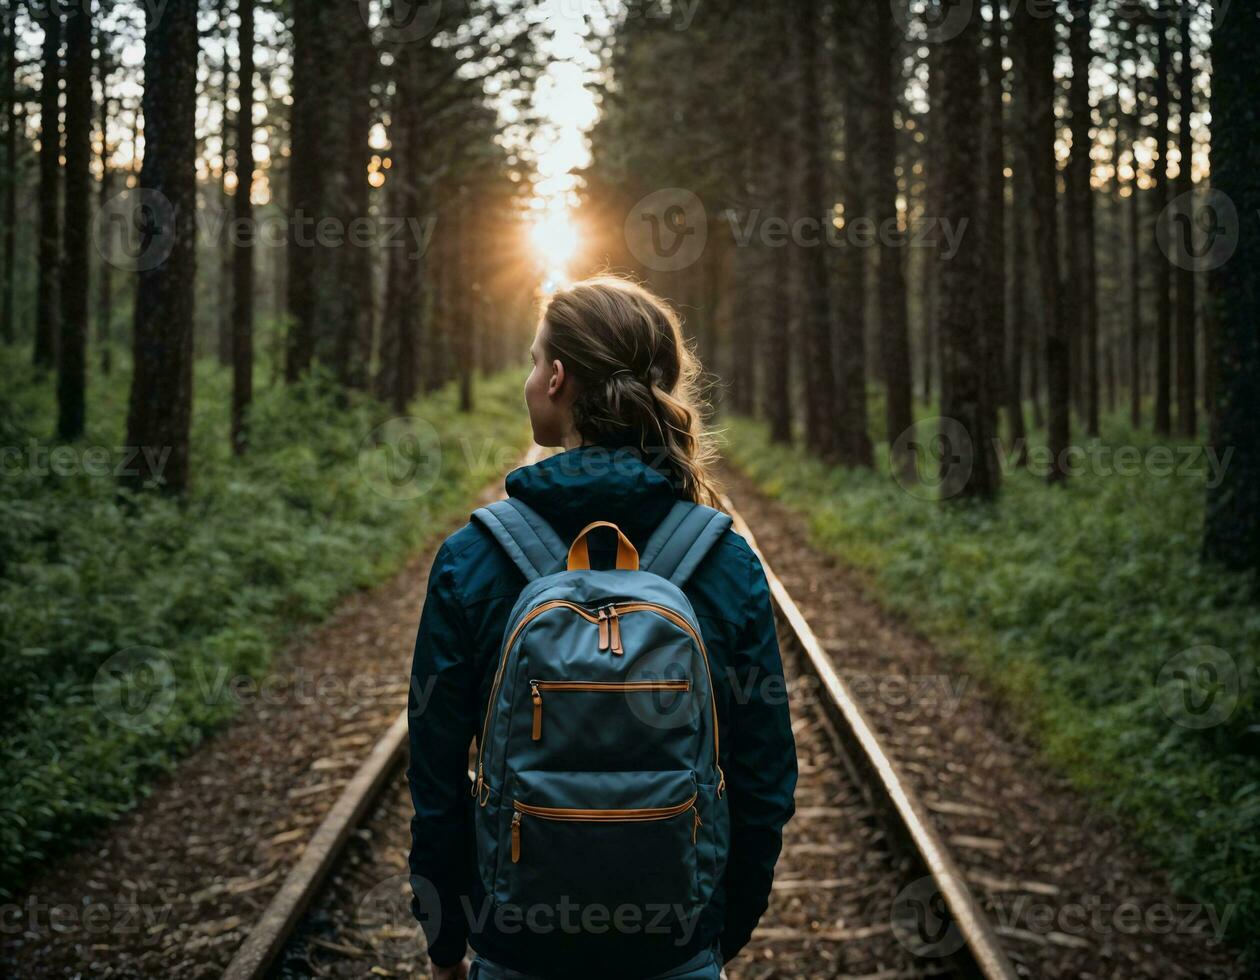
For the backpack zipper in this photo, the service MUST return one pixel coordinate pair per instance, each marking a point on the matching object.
(537, 687)
(598, 816)
(673, 617)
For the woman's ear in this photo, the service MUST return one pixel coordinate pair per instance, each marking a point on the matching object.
(556, 383)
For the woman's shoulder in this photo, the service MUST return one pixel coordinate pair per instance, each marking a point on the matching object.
(474, 565)
(727, 576)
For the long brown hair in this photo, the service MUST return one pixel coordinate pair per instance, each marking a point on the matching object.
(638, 380)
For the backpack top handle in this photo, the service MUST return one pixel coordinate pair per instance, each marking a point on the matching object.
(579, 554)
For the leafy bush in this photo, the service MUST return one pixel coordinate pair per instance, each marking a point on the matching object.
(1073, 602)
(207, 586)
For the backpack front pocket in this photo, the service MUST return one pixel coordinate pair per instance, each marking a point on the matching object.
(607, 839)
(539, 688)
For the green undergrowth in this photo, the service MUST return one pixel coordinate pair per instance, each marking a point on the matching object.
(129, 618)
(1089, 611)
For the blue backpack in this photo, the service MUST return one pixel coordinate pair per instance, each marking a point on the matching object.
(597, 780)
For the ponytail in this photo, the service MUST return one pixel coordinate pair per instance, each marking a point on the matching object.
(638, 381)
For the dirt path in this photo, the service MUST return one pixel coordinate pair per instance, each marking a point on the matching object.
(1070, 896)
(172, 888)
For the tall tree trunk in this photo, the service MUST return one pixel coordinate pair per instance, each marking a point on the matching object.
(777, 330)
(748, 304)
(1037, 30)
(72, 355)
(931, 257)
(399, 376)
(964, 308)
(465, 325)
(306, 184)
(8, 202)
(1019, 333)
(1135, 247)
(1163, 268)
(894, 337)
(243, 240)
(47, 317)
(353, 264)
(1082, 247)
(1019, 329)
(854, 444)
(105, 283)
(225, 253)
(160, 411)
(994, 289)
(821, 420)
(1187, 419)
(1232, 530)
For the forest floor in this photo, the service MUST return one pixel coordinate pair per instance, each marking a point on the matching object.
(171, 889)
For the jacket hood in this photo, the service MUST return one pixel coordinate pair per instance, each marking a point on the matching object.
(595, 483)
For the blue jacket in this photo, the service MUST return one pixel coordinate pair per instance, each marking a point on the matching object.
(472, 587)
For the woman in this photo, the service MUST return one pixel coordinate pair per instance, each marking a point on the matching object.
(614, 384)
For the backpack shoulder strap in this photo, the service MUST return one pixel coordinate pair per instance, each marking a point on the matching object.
(528, 539)
(682, 539)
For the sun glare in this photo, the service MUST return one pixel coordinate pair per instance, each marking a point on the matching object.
(554, 238)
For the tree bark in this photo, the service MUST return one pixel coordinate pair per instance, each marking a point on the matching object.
(243, 239)
(224, 252)
(160, 410)
(8, 203)
(1135, 248)
(1082, 247)
(306, 184)
(1037, 28)
(1163, 267)
(75, 280)
(352, 301)
(994, 289)
(47, 317)
(1019, 314)
(1232, 530)
(894, 337)
(822, 425)
(965, 311)
(1187, 418)
(777, 331)
(105, 283)
(854, 443)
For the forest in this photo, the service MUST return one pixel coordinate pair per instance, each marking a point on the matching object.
(974, 285)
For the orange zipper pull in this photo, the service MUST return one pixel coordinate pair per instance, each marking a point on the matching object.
(721, 787)
(516, 837)
(537, 697)
(616, 631)
(603, 628)
(695, 826)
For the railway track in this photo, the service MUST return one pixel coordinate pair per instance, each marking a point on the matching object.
(865, 887)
